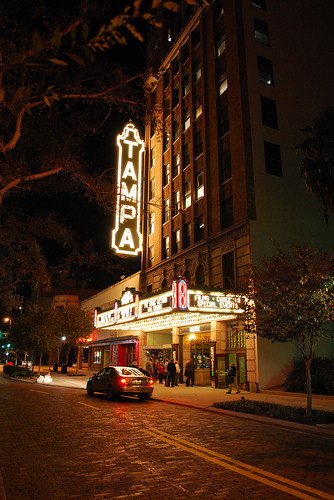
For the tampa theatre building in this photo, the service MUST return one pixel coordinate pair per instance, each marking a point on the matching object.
(168, 309)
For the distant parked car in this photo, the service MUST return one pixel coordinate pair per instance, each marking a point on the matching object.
(118, 380)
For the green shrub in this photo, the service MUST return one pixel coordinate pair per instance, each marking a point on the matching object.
(281, 412)
(322, 375)
(17, 371)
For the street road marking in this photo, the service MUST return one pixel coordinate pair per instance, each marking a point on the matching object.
(238, 467)
(90, 406)
(35, 390)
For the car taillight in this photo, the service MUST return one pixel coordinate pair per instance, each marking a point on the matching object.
(151, 381)
(124, 381)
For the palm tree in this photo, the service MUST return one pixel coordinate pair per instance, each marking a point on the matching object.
(317, 168)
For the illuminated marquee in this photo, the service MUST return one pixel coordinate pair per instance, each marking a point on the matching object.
(126, 236)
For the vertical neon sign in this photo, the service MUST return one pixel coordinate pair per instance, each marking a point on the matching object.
(126, 236)
(179, 294)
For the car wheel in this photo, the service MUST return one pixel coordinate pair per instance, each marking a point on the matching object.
(110, 392)
(142, 397)
(90, 391)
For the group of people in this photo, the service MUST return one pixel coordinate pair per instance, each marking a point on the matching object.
(169, 371)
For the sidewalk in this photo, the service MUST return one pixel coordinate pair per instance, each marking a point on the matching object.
(204, 398)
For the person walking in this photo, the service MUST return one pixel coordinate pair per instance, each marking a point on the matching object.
(171, 373)
(149, 368)
(232, 379)
(178, 370)
(190, 372)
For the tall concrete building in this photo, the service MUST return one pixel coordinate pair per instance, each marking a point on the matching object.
(233, 83)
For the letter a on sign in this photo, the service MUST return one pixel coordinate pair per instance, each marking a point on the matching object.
(126, 235)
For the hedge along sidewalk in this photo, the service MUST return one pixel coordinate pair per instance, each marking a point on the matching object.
(278, 411)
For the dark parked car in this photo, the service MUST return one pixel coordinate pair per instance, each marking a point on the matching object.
(118, 380)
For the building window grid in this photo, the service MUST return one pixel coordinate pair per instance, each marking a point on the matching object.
(198, 143)
(186, 154)
(166, 249)
(176, 202)
(225, 167)
(223, 121)
(176, 129)
(186, 119)
(153, 157)
(186, 84)
(150, 255)
(197, 70)
(269, 112)
(176, 241)
(152, 188)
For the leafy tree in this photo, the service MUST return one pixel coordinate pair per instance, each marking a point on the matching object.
(76, 325)
(291, 299)
(34, 332)
(39, 330)
(317, 168)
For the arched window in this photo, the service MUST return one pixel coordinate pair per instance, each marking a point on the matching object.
(164, 283)
(200, 279)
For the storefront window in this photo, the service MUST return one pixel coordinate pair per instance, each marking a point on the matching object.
(97, 357)
(200, 353)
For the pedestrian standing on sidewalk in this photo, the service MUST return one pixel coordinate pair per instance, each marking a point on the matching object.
(190, 372)
(166, 371)
(171, 373)
(177, 368)
(149, 367)
(161, 371)
(232, 379)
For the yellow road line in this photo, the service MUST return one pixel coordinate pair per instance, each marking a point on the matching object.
(239, 467)
(41, 392)
(90, 406)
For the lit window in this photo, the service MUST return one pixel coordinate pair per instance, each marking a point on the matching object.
(97, 357)
(220, 44)
(176, 241)
(165, 248)
(176, 164)
(261, 32)
(198, 111)
(176, 202)
(166, 140)
(222, 81)
(187, 195)
(199, 185)
(152, 220)
(152, 188)
(197, 70)
(186, 84)
(153, 157)
(166, 174)
(186, 119)
(165, 215)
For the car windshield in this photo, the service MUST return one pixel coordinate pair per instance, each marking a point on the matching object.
(130, 372)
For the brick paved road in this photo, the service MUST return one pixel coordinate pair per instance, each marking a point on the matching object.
(59, 443)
